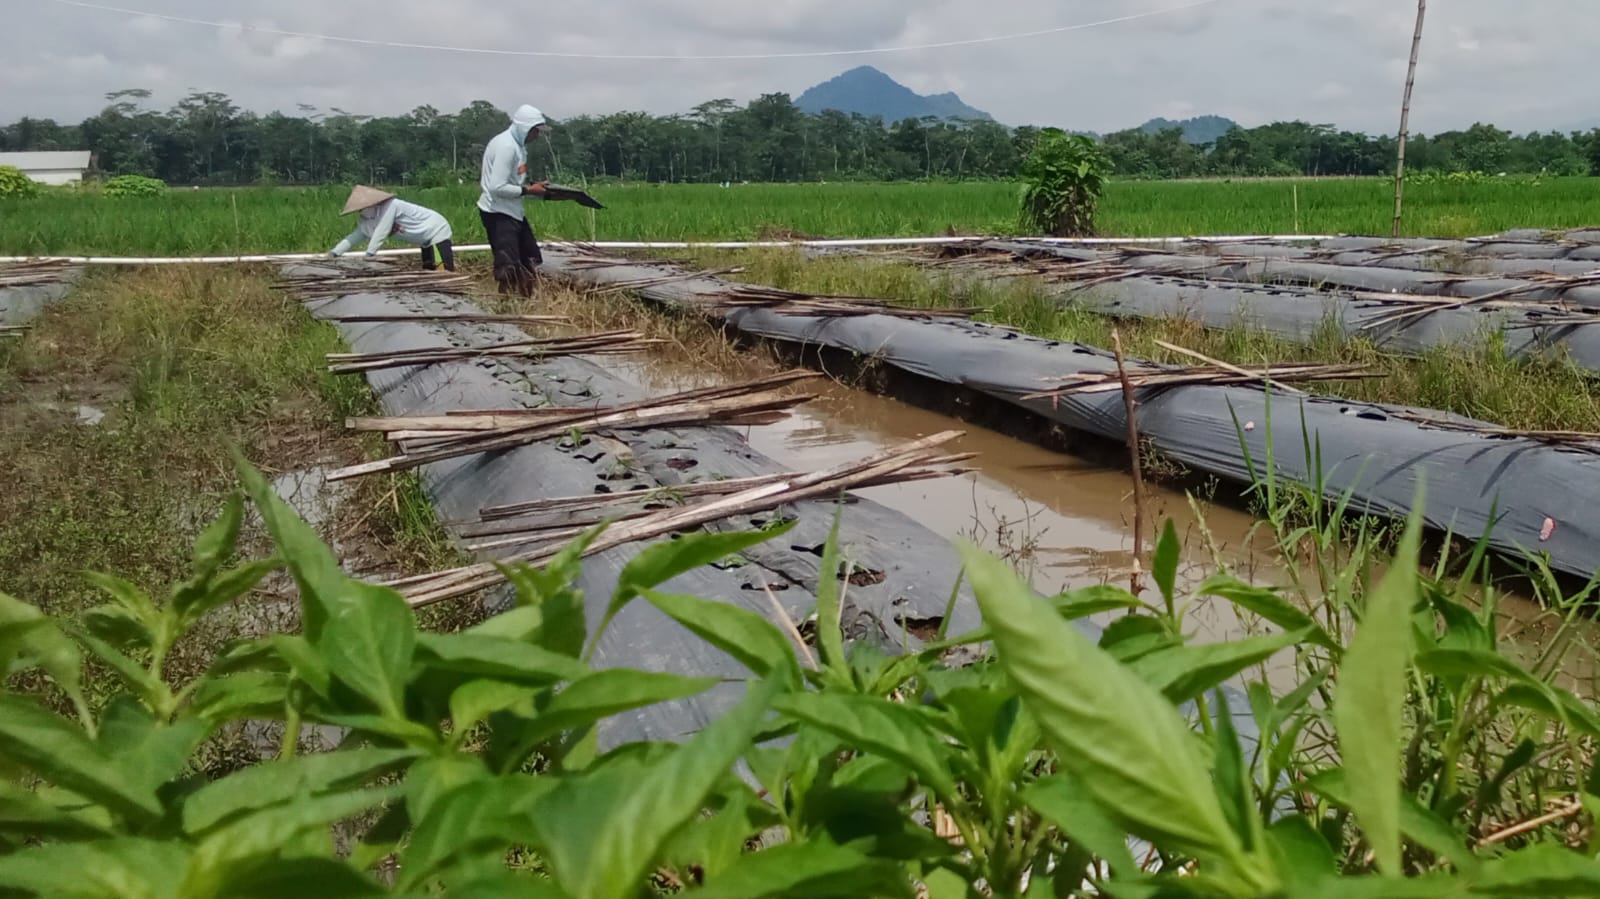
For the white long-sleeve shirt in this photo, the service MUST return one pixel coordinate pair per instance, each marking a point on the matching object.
(505, 171)
(396, 218)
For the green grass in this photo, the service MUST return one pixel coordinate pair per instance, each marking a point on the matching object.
(184, 363)
(1479, 380)
(272, 220)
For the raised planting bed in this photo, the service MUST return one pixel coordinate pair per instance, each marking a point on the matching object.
(900, 577)
(1527, 495)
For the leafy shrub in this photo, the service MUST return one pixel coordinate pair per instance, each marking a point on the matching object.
(1025, 772)
(134, 186)
(1064, 177)
(15, 185)
(439, 174)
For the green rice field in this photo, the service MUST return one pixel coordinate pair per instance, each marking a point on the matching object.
(270, 220)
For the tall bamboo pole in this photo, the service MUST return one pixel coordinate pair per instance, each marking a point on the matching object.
(1405, 118)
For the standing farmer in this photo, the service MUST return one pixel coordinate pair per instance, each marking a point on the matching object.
(505, 177)
(383, 216)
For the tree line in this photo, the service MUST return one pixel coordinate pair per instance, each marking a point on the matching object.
(205, 138)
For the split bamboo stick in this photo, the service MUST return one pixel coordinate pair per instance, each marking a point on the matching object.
(692, 407)
(470, 579)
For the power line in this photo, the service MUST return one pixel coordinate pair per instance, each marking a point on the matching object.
(551, 54)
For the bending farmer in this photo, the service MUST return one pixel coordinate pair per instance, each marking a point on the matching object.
(383, 216)
(505, 176)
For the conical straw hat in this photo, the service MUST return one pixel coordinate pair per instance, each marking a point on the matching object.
(363, 197)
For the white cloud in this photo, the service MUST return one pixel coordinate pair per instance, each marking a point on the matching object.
(1521, 66)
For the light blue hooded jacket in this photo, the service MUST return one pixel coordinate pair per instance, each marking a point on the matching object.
(396, 218)
(505, 165)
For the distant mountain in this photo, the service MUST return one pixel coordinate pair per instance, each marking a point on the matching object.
(869, 92)
(1199, 130)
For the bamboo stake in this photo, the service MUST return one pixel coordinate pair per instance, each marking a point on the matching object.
(470, 579)
(1405, 117)
(562, 531)
(1136, 585)
(1265, 379)
(465, 317)
(696, 406)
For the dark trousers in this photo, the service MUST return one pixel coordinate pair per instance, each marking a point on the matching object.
(516, 252)
(447, 253)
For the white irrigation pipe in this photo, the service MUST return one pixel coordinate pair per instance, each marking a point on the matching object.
(681, 245)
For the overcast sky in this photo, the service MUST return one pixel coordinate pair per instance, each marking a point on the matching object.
(1525, 65)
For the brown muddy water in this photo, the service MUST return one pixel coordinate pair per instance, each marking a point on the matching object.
(1064, 522)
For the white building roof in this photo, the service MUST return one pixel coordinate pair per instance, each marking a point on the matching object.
(76, 160)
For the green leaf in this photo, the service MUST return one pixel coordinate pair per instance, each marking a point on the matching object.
(367, 643)
(1164, 564)
(216, 543)
(411, 733)
(219, 591)
(1417, 821)
(474, 701)
(1093, 601)
(316, 572)
(1118, 736)
(262, 835)
(661, 562)
(150, 689)
(873, 724)
(508, 885)
(1369, 701)
(493, 657)
(562, 626)
(1300, 851)
(741, 633)
(241, 697)
(805, 870)
(60, 753)
(122, 868)
(521, 624)
(301, 878)
(479, 820)
(1185, 673)
(264, 785)
(29, 637)
(1268, 605)
(830, 632)
(716, 843)
(150, 753)
(1463, 630)
(431, 779)
(1135, 636)
(598, 696)
(1062, 800)
(1544, 869)
(304, 660)
(1234, 783)
(601, 831)
(26, 814)
(117, 626)
(1556, 704)
(128, 597)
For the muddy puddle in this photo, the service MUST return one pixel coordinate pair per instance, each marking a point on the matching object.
(1064, 522)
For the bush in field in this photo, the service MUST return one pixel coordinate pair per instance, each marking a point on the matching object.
(1063, 177)
(1403, 764)
(438, 174)
(136, 186)
(14, 184)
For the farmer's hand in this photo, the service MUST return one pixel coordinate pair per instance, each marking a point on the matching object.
(536, 189)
